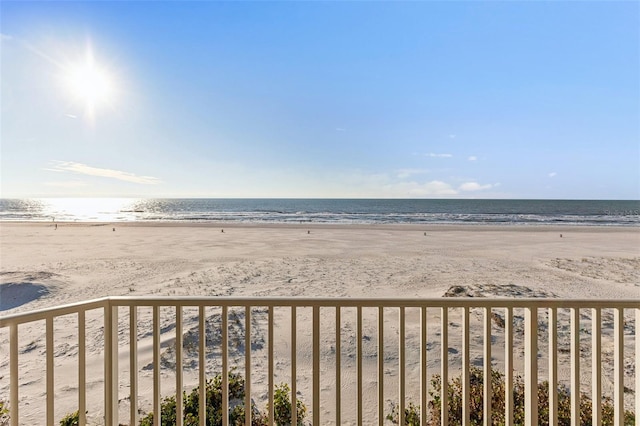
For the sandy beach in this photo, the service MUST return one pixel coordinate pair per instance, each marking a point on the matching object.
(42, 265)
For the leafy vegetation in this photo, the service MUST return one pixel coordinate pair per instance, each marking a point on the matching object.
(282, 405)
(476, 393)
(4, 413)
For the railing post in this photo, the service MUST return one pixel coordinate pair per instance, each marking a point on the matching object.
(359, 363)
(637, 325)
(381, 416)
(338, 367)
(157, 404)
(82, 369)
(49, 368)
(423, 364)
(531, 366)
(618, 366)
(487, 368)
(316, 365)
(225, 365)
(466, 363)
(179, 376)
(202, 372)
(401, 365)
(133, 364)
(294, 378)
(508, 367)
(13, 374)
(596, 358)
(444, 367)
(247, 366)
(110, 364)
(575, 366)
(270, 365)
(553, 366)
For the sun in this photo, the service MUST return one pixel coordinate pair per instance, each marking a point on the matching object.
(89, 83)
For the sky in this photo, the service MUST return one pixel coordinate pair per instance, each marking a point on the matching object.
(421, 99)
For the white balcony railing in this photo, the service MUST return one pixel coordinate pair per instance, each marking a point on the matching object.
(403, 342)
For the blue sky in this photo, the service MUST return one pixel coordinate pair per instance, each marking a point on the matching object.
(321, 99)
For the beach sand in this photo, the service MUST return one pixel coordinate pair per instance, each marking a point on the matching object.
(41, 266)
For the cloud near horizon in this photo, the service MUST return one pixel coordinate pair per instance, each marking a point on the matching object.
(435, 155)
(83, 169)
(474, 186)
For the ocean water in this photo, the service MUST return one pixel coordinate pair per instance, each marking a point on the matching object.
(325, 211)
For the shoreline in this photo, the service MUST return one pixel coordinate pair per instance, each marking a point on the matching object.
(363, 226)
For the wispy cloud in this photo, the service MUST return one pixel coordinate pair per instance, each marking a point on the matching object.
(472, 158)
(71, 116)
(67, 184)
(405, 173)
(474, 186)
(552, 174)
(435, 155)
(4, 37)
(83, 169)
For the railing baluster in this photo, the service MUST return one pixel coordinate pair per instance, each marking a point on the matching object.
(575, 367)
(531, 366)
(111, 353)
(637, 390)
(110, 363)
(359, 362)
(294, 378)
(553, 367)
(49, 349)
(270, 365)
(13, 374)
(82, 369)
(381, 416)
(618, 366)
(157, 417)
(133, 364)
(316, 365)
(247, 366)
(179, 373)
(596, 358)
(338, 367)
(225, 367)
(424, 392)
(466, 409)
(202, 372)
(487, 368)
(401, 365)
(444, 366)
(508, 367)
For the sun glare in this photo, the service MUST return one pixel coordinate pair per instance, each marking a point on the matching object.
(89, 84)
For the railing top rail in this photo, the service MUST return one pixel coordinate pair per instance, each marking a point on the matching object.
(191, 301)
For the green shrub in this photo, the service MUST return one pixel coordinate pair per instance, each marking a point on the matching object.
(4, 413)
(282, 405)
(72, 419)
(476, 395)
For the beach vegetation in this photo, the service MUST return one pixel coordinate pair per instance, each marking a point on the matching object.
(476, 394)
(72, 419)
(4, 413)
(282, 405)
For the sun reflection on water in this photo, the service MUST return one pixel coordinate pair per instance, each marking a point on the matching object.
(89, 209)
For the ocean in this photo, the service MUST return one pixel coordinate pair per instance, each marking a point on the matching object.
(325, 211)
